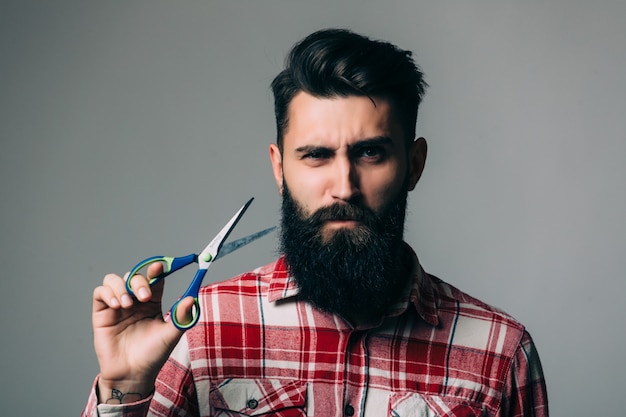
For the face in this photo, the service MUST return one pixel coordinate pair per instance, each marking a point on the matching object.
(345, 150)
(344, 174)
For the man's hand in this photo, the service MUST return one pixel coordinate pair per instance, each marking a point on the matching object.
(131, 338)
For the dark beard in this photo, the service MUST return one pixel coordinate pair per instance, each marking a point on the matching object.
(356, 272)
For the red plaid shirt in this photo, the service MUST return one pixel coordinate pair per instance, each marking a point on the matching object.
(258, 350)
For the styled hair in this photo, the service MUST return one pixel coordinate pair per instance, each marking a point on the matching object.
(340, 63)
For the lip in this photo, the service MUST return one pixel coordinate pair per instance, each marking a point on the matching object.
(337, 223)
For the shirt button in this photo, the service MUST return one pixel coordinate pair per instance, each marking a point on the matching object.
(349, 410)
(252, 403)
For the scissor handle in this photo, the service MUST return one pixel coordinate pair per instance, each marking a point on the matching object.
(171, 265)
(192, 291)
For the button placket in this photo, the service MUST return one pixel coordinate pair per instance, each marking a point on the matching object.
(357, 361)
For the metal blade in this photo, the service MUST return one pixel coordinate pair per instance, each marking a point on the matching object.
(236, 244)
(212, 250)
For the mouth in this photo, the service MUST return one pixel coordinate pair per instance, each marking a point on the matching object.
(338, 223)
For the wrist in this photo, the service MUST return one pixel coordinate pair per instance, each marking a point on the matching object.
(122, 392)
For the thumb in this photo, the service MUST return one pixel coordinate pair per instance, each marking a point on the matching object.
(184, 313)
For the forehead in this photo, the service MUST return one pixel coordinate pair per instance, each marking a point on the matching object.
(339, 119)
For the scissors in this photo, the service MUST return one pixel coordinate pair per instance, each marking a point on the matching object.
(204, 259)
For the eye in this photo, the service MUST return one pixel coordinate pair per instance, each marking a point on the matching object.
(371, 153)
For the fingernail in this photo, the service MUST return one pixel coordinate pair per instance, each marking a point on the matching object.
(126, 300)
(143, 293)
(114, 302)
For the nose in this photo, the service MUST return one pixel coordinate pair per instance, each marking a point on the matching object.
(345, 181)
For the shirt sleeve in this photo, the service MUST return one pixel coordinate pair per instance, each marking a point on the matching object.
(525, 393)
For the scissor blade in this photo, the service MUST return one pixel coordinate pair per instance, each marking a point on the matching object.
(210, 252)
(236, 244)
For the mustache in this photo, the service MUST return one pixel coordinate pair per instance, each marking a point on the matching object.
(343, 211)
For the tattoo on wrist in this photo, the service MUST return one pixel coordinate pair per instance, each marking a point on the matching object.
(118, 397)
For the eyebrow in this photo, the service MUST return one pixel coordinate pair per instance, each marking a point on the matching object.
(375, 141)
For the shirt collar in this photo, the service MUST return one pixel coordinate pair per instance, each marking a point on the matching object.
(419, 291)
(282, 285)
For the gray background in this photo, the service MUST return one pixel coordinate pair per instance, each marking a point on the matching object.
(136, 128)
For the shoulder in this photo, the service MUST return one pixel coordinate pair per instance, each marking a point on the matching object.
(450, 296)
(474, 323)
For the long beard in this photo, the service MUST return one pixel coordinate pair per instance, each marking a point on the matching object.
(352, 272)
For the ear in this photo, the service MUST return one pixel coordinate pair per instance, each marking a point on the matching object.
(277, 166)
(417, 160)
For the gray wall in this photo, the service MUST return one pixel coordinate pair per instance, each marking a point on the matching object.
(135, 128)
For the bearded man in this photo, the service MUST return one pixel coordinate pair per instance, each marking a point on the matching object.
(345, 322)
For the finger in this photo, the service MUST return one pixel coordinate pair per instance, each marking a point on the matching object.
(104, 297)
(155, 269)
(140, 286)
(118, 286)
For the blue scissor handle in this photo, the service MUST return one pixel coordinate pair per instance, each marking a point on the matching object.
(171, 265)
(192, 291)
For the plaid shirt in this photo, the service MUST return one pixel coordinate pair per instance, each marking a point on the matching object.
(259, 350)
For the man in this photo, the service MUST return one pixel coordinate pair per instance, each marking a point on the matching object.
(345, 322)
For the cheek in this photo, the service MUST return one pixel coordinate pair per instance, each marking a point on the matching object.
(382, 187)
(305, 188)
